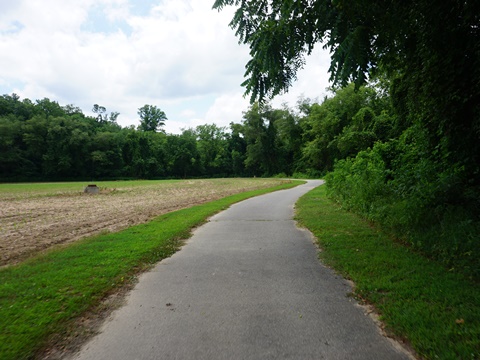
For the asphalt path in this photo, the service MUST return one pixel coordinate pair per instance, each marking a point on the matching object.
(247, 285)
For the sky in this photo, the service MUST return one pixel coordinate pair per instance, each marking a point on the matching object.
(179, 55)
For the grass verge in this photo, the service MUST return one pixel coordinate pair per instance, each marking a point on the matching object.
(436, 311)
(44, 295)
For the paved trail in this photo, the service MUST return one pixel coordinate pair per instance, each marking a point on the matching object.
(248, 285)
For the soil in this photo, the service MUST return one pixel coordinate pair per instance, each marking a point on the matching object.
(33, 222)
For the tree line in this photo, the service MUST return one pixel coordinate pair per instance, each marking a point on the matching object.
(43, 140)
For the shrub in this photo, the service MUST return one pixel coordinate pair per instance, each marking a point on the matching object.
(414, 195)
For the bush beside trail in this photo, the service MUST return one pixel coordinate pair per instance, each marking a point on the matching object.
(415, 197)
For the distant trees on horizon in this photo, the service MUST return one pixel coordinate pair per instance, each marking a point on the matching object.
(43, 140)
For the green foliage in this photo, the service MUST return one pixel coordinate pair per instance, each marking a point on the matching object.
(350, 121)
(433, 51)
(236, 148)
(259, 132)
(435, 310)
(360, 183)
(12, 160)
(412, 194)
(182, 154)
(11, 105)
(273, 140)
(44, 141)
(61, 143)
(151, 118)
(212, 148)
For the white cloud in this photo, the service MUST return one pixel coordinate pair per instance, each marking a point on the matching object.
(188, 113)
(179, 55)
(226, 109)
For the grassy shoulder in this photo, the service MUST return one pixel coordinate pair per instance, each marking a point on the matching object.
(44, 295)
(436, 311)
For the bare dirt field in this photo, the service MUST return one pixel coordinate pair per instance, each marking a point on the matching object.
(31, 221)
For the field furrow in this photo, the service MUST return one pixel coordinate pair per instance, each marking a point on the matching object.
(35, 218)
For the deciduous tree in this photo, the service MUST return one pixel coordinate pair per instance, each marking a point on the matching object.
(151, 118)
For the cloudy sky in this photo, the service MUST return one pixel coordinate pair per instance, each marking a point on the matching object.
(179, 55)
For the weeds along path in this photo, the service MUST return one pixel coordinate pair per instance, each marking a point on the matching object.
(34, 220)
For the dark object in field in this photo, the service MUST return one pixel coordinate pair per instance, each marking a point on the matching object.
(91, 189)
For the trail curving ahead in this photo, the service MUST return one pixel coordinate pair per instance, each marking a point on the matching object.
(247, 285)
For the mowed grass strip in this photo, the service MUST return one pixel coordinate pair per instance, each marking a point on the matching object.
(437, 311)
(44, 295)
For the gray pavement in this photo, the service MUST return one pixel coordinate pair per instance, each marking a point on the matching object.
(247, 285)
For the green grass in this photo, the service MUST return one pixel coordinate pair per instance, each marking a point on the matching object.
(52, 188)
(437, 311)
(44, 295)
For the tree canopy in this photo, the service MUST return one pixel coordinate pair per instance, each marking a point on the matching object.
(418, 37)
(151, 118)
(429, 50)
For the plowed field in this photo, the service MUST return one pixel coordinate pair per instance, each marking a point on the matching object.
(34, 217)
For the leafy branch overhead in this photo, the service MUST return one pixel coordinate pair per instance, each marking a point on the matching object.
(362, 36)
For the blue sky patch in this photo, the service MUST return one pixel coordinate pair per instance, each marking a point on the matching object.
(98, 22)
(13, 28)
(7, 87)
(142, 7)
